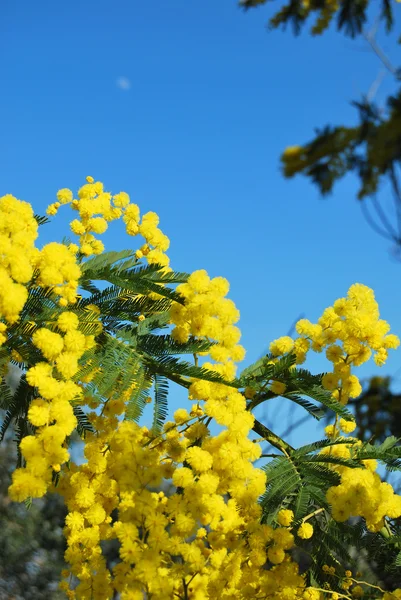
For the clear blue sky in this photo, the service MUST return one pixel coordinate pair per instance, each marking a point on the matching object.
(194, 131)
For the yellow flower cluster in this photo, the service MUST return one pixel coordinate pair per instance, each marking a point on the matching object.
(96, 208)
(157, 243)
(18, 232)
(305, 531)
(349, 331)
(285, 517)
(201, 538)
(58, 270)
(362, 493)
(55, 264)
(208, 314)
(51, 413)
(204, 540)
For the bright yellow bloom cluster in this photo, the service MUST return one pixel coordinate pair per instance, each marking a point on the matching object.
(201, 538)
(55, 264)
(51, 413)
(193, 539)
(349, 331)
(96, 208)
(208, 314)
(58, 270)
(305, 531)
(205, 538)
(285, 517)
(157, 243)
(362, 493)
(18, 232)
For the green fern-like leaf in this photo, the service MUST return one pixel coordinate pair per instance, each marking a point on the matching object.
(160, 403)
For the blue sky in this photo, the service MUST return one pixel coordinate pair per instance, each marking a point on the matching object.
(210, 101)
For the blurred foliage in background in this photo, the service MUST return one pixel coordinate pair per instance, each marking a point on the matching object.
(371, 149)
(378, 410)
(32, 544)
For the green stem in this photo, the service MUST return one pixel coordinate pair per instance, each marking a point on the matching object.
(312, 514)
(272, 438)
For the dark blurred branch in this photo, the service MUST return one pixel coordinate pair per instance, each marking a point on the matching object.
(397, 199)
(370, 37)
(372, 223)
(385, 222)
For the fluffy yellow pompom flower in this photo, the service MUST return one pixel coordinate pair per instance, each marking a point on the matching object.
(277, 387)
(38, 413)
(331, 431)
(49, 343)
(285, 517)
(330, 381)
(183, 477)
(75, 520)
(282, 345)
(347, 426)
(67, 364)
(276, 555)
(12, 297)
(25, 485)
(67, 321)
(353, 387)
(181, 415)
(64, 196)
(199, 459)
(305, 531)
(77, 227)
(59, 270)
(74, 341)
(85, 497)
(97, 225)
(95, 515)
(199, 281)
(121, 200)
(380, 357)
(391, 341)
(132, 213)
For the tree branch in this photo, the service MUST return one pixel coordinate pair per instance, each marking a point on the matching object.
(272, 438)
(397, 199)
(374, 225)
(370, 38)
